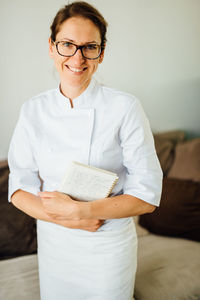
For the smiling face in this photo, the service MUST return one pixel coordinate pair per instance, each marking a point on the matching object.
(76, 71)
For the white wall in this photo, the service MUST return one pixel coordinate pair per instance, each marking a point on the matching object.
(159, 63)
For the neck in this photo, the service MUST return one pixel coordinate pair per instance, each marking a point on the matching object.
(72, 92)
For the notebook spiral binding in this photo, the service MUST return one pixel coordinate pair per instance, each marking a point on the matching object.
(111, 188)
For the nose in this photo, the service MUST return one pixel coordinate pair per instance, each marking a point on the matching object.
(78, 57)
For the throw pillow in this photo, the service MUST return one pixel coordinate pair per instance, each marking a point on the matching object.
(187, 161)
(17, 230)
(175, 136)
(179, 212)
(165, 143)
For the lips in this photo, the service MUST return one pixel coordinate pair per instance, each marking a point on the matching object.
(76, 70)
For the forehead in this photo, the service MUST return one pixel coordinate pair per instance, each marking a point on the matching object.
(79, 30)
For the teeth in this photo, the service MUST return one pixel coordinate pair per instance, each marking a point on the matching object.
(75, 69)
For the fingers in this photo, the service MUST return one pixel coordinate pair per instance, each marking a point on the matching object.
(54, 194)
(84, 224)
(47, 194)
(96, 225)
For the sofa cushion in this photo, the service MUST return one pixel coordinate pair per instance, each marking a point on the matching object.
(17, 230)
(168, 268)
(19, 278)
(141, 231)
(179, 212)
(165, 147)
(187, 161)
(175, 136)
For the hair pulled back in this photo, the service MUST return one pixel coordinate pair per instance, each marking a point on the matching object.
(81, 9)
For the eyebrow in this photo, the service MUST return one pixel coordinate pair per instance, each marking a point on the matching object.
(66, 39)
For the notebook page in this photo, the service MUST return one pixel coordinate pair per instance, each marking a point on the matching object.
(85, 183)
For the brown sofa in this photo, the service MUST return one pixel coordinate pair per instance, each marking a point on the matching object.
(168, 239)
(169, 248)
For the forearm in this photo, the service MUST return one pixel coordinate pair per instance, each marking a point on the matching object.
(121, 206)
(32, 206)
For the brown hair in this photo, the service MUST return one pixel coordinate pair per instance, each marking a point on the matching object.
(82, 9)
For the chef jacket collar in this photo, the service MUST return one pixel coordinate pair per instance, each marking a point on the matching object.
(82, 101)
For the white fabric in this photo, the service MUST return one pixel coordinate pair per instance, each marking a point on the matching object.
(106, 129)
(81, 265)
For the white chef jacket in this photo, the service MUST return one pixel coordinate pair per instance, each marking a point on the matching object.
(106, 128)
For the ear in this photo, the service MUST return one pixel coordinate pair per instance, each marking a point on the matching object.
(101, 57)
(50, 48)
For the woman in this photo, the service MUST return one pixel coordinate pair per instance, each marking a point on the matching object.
(86, 250)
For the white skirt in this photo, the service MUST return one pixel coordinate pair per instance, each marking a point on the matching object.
(81, 265)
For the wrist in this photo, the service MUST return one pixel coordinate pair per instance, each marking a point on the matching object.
(84, 210)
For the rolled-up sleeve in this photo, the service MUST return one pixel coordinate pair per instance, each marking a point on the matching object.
(23, 168)
(144, 175)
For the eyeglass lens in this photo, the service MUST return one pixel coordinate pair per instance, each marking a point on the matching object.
(68, 49)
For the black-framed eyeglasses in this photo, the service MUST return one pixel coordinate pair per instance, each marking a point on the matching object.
(68, 49)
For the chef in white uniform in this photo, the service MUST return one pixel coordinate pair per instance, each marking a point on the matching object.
(86, 250)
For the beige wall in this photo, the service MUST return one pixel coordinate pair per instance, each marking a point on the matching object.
(153, 52)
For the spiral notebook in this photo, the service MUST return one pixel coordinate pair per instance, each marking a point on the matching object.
(87, 183)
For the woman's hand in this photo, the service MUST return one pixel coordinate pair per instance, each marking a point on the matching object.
(64, 211)
(59, 205)
(84, 224)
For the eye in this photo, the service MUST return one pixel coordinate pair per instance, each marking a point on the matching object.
(91, 47)
(67, 44)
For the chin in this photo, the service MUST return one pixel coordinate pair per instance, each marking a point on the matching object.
(76, 82)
